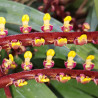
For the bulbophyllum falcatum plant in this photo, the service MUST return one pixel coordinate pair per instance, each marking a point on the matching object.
(42, 57)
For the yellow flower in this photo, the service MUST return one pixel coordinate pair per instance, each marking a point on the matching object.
(13, 65)
(50, 52)
(68, 18)
(90, 57)
(66, 78)
(39, 40)
(11, 57)
(72, 54)
(15, 43)
(87, 26)
(22, 84)
(47, 16)
(2, 20)
(28, 54)
(84, 36)
(62, 40)
(25, 17)
(25, 83)
(45, 80)
(86, 79)
(18, 43)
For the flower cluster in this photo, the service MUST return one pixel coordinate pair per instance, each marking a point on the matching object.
(8, 63)
(48, 63)
(70, 63)
(20, 82)
(81, 78)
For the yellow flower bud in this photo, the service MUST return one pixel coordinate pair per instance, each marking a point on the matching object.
(25, 17)
(28, 54)
(2, 20)
(86, 25)
(11, 57)
(86, 79)
(72, 54)
(15, 43)
(20, 84)
(42, 40)
(25, 83)
(66, 78)
(39, 40)
(50, 52)
(45, 80)
(62, 40)
(68, 18)
(47, 16)
(13, 66)
(18, 43)
(90, 57)
(83, 36)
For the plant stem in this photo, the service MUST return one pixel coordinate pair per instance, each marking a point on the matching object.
(7, 92)
(49, 37)
(1, 72)
(51, 73)
(6, 89)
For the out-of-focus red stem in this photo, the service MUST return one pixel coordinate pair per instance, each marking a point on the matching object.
(1, 72)
(6, 89)
(49, 37)
(47, 6)
(51, 73)
(7, 92)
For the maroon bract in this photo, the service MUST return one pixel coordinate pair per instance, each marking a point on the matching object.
(48, 65)
(48, 30)
(65, 29)
(26, 66)
(5, 33)
(25, 30)
(70, 67)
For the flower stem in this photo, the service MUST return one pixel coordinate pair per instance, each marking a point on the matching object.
(7, 92)
(51, 73)
(49, 37)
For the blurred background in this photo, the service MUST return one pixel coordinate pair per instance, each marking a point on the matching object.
(59, 9)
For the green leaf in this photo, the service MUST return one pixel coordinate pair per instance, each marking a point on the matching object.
(89, 88)
(96, 6)
(2, 93)
(3, 54)
(73, 89)
(32, 90)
